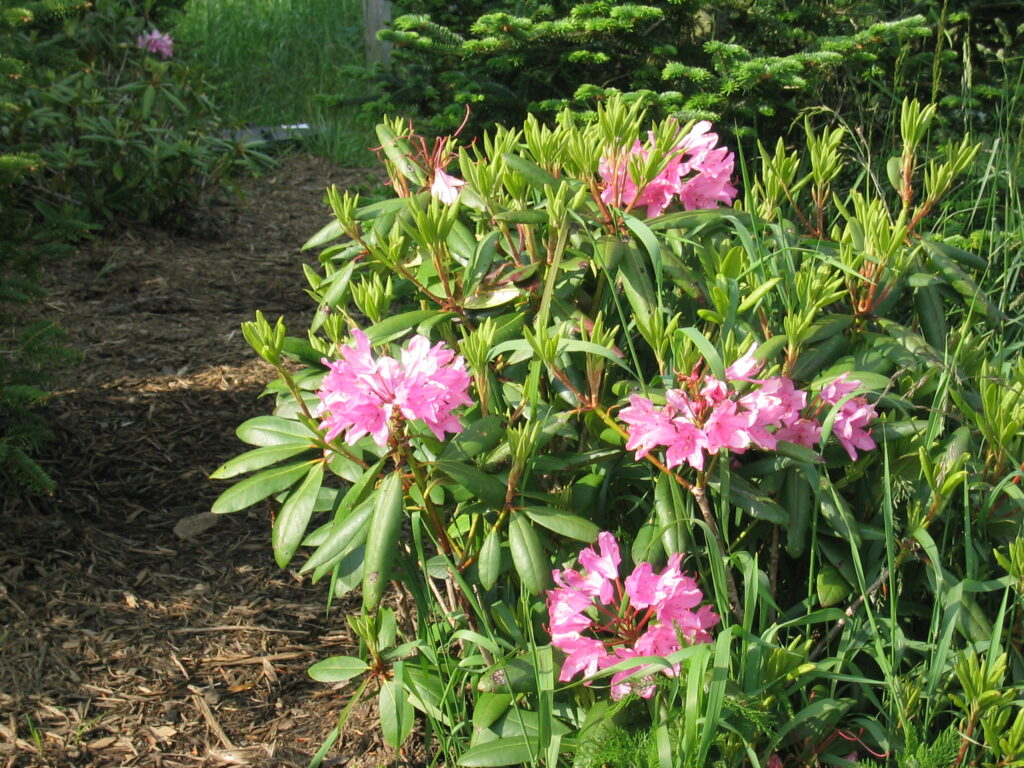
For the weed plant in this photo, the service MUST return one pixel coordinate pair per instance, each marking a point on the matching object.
(267, 71)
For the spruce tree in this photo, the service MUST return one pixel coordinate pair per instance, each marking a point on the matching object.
(751, 66)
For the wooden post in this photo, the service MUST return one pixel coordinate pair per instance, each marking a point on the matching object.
(376, 14)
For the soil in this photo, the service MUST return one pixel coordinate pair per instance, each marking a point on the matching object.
(130, 633)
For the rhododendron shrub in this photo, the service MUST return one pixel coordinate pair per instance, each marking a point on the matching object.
(591, 428)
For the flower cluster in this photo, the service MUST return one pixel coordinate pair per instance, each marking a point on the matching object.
(706, 415)
(698, 173)
(594, 623)
(363, 395)
(156, 41)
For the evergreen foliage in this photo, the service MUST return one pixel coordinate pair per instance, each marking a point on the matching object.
(27, 351)
(752, 65)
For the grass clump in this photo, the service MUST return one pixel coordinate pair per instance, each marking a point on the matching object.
(269, 69)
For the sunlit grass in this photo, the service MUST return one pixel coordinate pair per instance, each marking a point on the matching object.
(269, 60)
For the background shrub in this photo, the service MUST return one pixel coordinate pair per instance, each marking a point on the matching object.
(94, 131)
(749, 66)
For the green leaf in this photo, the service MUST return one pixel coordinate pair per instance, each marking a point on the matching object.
(337, 669)
(590, 348)
(514, 750)
(398, 325)
(537, 177)
(480, 264)
(492, 297)
(837, 514)
(382, 539)
(530, 216)
(260, 486)
(478, 437)
(148, 97)
(488, 488)
(634, 271)
(563, 523)
(800, 453)
(707, 351)
(489, 561)
(528, 555)
(745, 496)
(335, 289)
(344, 536)
(275, 430)
(667, 513)
(400, 152)
(392, 205)
(426, 691)
(330, 231)
(832, 587)
(649, 242)
(257, 458)
(961, 282)
(292, 520)
(395, 711)
(488, 707)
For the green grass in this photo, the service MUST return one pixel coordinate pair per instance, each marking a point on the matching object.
(272, 61)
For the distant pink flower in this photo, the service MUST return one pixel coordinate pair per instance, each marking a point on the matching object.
(602, 620)
(445, 187)
(363, 395)
(696, 173)
(774, 762)
(604, 565)
(850, 426)
(156, 41)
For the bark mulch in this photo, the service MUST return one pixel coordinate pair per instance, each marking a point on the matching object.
(136, 629)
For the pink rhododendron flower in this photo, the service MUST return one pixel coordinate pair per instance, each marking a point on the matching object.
(363, 395)
(156, 41)
(598, 620)
(445, 187)
(706, 415)
(855, 415)
(839, 388)
(697, 174)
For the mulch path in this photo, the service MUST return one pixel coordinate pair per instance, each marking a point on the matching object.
(130, 633)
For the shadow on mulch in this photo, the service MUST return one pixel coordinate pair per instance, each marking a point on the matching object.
(136, 630)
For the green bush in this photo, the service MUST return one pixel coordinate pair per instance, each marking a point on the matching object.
(94, 131)
(584, 339)
(124, 134)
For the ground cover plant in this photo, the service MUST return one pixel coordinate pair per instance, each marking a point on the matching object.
(641, 455)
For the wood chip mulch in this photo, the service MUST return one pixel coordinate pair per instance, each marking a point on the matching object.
(136, 629)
